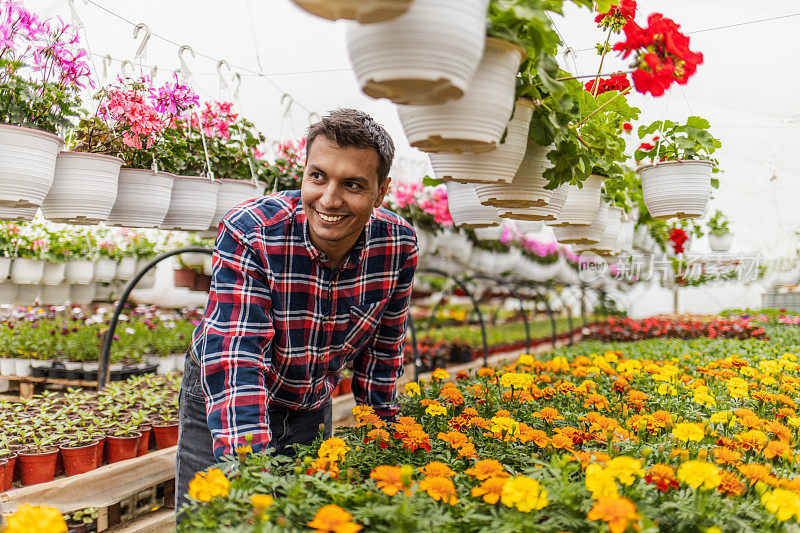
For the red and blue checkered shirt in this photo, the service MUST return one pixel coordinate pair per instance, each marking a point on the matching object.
(280, 323)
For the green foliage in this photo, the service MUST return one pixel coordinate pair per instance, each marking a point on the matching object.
(679, 142)
(718, 224)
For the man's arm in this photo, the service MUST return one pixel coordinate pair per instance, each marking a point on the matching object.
(378, 367)
(233, 345)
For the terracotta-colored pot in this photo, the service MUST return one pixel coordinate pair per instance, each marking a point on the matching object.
(122, 448)
(144, 440)
(166, 435)
(346, 386)
(37, 468)
(201, 283)
(184, 277)
(100, 452)
(8, 472)
(79, 459)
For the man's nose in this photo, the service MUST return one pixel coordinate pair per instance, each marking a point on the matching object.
(331, 197)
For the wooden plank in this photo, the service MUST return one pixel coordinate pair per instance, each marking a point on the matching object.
(101, 487)
(161, 521)
(50, 381)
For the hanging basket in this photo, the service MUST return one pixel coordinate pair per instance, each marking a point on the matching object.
(147, 281)
(105, 270)
(582, 203)
(54, 294)
(465, 209)
(84, 189)
(231, 194)
(528, 226)
(426, 56)
(365, 11)
(18, 214)
(126, 269)
(493, 233)
(80, 271)
(497, 166)
(720, 243)
(5, 268)
(27, 271)
(476, 122)
(679, 189)
(584, 234)
(192, 204)
(143, 198)
(53, 273)
(8, 293)
(81, 294)
(527, 186)
(607, 245)
(27, 165)
(546, 213)
(27, 294)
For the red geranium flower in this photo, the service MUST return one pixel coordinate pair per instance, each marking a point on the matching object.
(678, 238)
(627, 126)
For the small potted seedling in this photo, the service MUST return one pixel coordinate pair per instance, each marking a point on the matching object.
(79, 453)
(123, 443)
(38, 462)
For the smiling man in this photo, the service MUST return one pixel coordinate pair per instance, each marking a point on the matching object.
(304, 282)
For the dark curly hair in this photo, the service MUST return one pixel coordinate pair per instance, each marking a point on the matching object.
(351, 128)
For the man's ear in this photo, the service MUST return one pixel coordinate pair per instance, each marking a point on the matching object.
(384, 188)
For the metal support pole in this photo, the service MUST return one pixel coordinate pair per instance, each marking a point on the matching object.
(513, 294)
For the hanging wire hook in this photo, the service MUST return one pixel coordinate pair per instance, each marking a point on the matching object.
(284, 98)
(107, 61)
(570, 53)
(237, 79)
(127, 67)
(223, 85)
(311, 119)
(76, 20)
(184, 70)
(141, 52)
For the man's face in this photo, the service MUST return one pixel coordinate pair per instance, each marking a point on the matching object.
(339, 191)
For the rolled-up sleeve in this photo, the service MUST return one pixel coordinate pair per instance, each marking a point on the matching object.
(233, 344)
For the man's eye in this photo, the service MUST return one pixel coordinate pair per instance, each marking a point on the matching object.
(316, 175)
(355, 186)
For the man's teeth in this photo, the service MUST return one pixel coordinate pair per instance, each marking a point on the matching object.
(326, 218)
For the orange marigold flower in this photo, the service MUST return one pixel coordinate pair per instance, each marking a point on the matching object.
(486, 372)
(333, 518)
(752, 440)
(462, 374)
(561, 441)
(637, 398)
(323, 464)
(548, 414)
(662, 476)
(597, 401)
(779, 430)
(440, 489)
(371, 420)
(437, 469)
(756, 472)
(730, 484)
(459, 422)
(491, 489)
(528, 434)
(487, 468)
(503, 412)
(480, 422)
(468, 451)
(776, 448)
(428, 401)
(416, 438)
(455, 439)
(617, 512)
(452, 395)
(380, 435)
(389, 479)
(440, 374)
(361, 410)
(726, 455)
(470, 412)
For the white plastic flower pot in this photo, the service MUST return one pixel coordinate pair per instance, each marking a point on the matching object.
(53, 273)
(527, 185)
(547, 271)
(103, 292)
(192, 204)
(27, 294)
(84, 189)
(584, 234)
(143, 198)
(5, 268)
(22, 367)
(126, 268)
(720, 243)
(497, 166)
(453, 245)
(148, 280)
(546, 213)
(105, 269)
(191, 259)
(27, 165)
(467, 212)
(231, 194)
(608, 241)
(493, 233)
(26, 271)
(54, 294)
(582, 203)
(528, 226)
(366, 11)
(8, 292)
(18, 214)
(208, 265)
(679, 189)
(474, 123)
(82, 293)
(165, 364)
(426, 56)
(7, 366)
(80, 271)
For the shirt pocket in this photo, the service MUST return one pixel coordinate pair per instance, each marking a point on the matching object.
(363, 321)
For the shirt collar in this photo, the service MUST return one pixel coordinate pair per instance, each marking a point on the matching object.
(357, 253)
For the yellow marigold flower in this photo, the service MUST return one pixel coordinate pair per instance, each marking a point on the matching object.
(205, 487)
(487, 468)
(333, 519)
(625, 469)
(516, 380)
(752, 440)
(440, 374)
(699, 473)
(412, 389)
(504, 427)
(333, 449)
(616, 512)
(440, 489)
(491, 489)
(686, 431)
(600, 482)
(782, 503)
(665, 389)
(526, 360)
(360, 410)
(261, 502)
(524, 493)
(35, 519)
(720, 417)
(436, 410)
(389, 479)
(437, 469)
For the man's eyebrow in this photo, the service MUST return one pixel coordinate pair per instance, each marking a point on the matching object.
(316, 169)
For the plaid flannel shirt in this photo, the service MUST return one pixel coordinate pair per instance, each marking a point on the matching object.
(280, 323)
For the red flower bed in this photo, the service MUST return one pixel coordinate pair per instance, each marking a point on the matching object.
(627, 329)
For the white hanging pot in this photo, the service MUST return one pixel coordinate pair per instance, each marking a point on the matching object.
(126, 269)
(102, 292)
(82, 293)
(148, 280)
(231, 194)
(27, 294)
(528, 226)
(679, 189)
(208, 265)
(143, 198)
(475, 123)
(497, 166)
(84, 189)
(27, 165)
(80, 271)
(366, 11)
(584, 234)
(26, 271)
(54, 294)
(18, 214)
(547, 271)
(105, 269)
(546, 213)
(527, 185)
(454, 245)
(467, 212)
(8, 292)
(720, 243)
(626, 234)
(5, 268)
(192, 204)
(426, 56)
(53, 273)
(493, 233)
(191, 259)
(582, 203)
(481, 260)
(608, 241)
